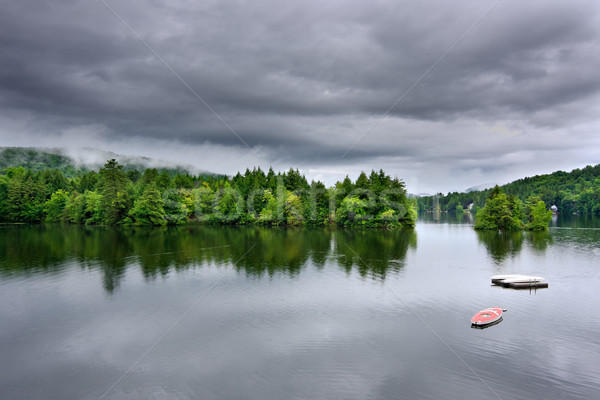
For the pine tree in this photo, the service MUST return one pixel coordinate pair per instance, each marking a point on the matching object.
(113, 191)
(149, 209)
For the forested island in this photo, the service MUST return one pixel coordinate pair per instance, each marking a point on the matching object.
(116, 195)
(508, 213)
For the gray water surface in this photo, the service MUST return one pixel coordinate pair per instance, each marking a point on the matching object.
(252, 313)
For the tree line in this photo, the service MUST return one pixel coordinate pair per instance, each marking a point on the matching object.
(116, 196)
(577, 192)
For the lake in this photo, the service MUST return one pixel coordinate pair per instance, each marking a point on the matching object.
(256, 313)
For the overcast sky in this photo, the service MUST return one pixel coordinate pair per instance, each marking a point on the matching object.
(444, 95)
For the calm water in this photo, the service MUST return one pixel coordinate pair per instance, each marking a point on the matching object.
(226, 313)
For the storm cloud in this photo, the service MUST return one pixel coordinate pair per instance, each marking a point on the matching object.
(445, 95)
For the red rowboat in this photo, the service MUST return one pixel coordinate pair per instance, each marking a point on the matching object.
(488, 316)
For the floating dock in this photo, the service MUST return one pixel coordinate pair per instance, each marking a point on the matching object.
(526, 285)
(519, 281)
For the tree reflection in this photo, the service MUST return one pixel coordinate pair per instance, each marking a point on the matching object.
(159, 251)
(373, 253)
(503, 244)
(539, 241)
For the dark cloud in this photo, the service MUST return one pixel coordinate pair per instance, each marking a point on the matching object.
(302, 82)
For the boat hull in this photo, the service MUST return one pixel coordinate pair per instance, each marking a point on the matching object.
(488, 316)
(487, 325)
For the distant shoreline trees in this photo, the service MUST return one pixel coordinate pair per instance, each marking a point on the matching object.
(575, 192)
(115, 197)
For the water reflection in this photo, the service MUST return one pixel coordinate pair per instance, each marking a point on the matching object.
(157, 251)
(539, 241)
(575, 221)
(501, 245)
(373, 254)
(449, 217)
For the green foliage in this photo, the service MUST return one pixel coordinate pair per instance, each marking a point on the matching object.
(74, 211)
(499, 213)
(293, 210)
(149, 209)
(575, 192)
(183, 181)
(114, 201)
(164, 181)
(316, 205)
(410, 217)
(86, 181)
(539, 217)
(36, 160)
(356, 210)
(269, 213)
(203, 205)
(178, 206)
(55, 206)
(229, 205)
(506, 213)
(122, 195)
(25, 199)
(4, 185)
(362, 182)
(94, 210)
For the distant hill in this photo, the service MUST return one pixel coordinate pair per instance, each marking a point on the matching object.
(72, 162)
(577, 191)
(483, 186)
(35, 159)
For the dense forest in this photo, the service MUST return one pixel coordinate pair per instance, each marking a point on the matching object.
(577, 191)
(119, 196)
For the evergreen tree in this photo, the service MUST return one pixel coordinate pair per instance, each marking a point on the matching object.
(114, 201)
(149, 209)
(183, 181)
(271, 180)
(25, 199)
(87, 181)
(362, 182)
(293, 181)
(164, 181)
(150, 175)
